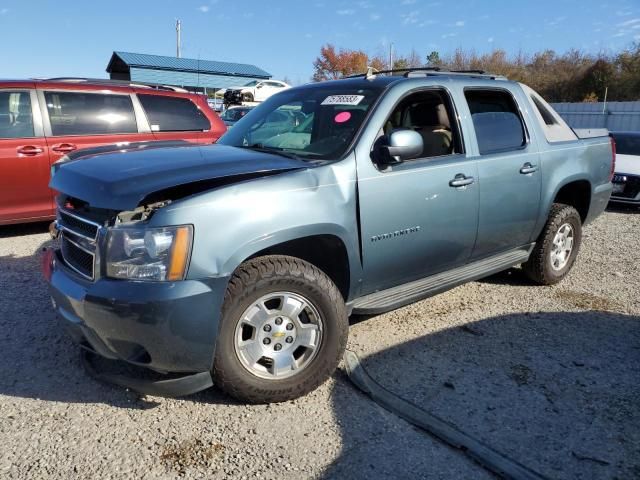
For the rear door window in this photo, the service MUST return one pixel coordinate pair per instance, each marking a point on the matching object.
(16, 116)
(85, 113)
(172, 114)
(496, 120)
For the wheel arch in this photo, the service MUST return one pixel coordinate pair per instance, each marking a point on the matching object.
(326, 249)
(576, 193)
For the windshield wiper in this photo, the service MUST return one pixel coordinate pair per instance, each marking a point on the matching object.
(259, 147)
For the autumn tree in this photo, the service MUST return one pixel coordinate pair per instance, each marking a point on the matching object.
(572, 76)
(333, 64)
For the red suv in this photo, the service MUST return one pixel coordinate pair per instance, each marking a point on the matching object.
(42, 120)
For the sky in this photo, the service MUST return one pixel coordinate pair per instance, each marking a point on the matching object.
(76, 37)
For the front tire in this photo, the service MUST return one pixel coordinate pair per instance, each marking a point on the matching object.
(247, 97)
(557, 247)
(283, 331)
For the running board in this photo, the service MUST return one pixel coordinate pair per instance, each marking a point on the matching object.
(396, 297)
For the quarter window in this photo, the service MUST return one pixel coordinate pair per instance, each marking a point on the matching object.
(544, 113)
(496, 120)
(172, 114)
(16, 118)
(83, 113)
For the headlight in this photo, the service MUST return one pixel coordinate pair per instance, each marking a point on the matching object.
(156, 254)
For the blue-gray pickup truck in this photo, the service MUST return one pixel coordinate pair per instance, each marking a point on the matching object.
(238, 264)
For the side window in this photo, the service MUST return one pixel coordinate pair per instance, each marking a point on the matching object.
(547, 118)
(83, 113)
(173, 114)
(431, 114)
(554, 127)
(16, 117)
(496, 120)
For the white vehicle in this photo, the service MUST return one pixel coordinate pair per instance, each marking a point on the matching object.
(626, 180)
(254, 91)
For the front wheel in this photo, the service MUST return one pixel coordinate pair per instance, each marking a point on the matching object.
(283, 331)
(557, 247)
(247, 97)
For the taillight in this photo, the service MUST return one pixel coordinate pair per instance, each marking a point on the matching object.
(613, 158)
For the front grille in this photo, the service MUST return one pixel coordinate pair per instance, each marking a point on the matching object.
(78, 225)
(77, 257)
(631, 187)
(233, 96)
(79, 228)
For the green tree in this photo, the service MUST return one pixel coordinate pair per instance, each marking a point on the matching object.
(433, 59)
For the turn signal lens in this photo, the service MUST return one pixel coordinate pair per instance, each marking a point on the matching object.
(179, 254)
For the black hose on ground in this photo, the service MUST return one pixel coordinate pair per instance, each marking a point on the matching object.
(480, 452)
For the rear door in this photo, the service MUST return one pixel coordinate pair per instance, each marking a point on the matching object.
(508, 169)
(24, 160)
(175, 118)
(74, 120)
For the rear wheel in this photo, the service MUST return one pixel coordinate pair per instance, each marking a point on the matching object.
(557, 247)
(247, 97)
(284, 329)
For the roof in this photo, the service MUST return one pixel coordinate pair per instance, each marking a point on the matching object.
(159, 62)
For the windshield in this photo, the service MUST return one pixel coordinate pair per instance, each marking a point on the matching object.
(627, 144)
(310, 123)
(251, 84)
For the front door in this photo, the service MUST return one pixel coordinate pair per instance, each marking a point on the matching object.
(509, 172)
(419, 217)
(24, 160)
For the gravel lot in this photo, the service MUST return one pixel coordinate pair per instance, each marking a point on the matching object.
(549, 376)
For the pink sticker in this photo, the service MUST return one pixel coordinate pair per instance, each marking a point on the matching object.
(342, 117)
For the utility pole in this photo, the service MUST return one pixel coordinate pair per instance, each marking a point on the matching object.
(178, 25)
(391, 56)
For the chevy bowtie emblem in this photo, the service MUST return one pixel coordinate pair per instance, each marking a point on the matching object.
(278, 334)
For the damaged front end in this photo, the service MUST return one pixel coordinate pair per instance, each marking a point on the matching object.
(119, 288)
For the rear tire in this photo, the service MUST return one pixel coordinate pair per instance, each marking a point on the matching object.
(247, 97)
(557, 247)
(283, 331)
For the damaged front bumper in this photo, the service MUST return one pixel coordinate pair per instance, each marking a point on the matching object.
(168, 327)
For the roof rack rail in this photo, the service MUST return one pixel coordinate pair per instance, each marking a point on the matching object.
(427, 71)
(108, 81)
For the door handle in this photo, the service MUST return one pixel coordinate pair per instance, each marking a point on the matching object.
(461, 180)
(64, 147)
(528, 168)
(30, 150)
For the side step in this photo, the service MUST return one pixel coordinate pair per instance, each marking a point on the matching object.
(396, 297)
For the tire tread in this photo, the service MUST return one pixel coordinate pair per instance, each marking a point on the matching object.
(536, 268)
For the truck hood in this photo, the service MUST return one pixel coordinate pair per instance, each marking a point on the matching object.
(121, 180)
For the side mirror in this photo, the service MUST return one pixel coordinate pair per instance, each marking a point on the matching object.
(402, 144)
(259, 85)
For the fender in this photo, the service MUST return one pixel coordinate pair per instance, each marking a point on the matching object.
(249, 249)
(234, 222)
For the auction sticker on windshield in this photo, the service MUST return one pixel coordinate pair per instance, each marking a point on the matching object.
(342, 100)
